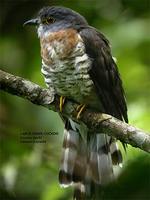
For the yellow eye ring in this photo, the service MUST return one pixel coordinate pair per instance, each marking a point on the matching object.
(48, 20)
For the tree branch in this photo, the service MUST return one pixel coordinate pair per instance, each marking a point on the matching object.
(95, 121)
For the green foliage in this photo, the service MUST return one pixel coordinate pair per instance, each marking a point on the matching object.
(30, 171)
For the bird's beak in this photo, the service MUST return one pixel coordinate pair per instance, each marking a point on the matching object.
(32, 22)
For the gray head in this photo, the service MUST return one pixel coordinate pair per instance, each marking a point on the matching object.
(50, 19)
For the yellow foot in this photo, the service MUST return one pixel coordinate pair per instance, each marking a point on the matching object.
(61, 103)
(80, 108)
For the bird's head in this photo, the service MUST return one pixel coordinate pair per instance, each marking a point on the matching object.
(51, 19)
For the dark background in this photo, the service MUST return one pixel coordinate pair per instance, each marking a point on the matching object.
(29, 171)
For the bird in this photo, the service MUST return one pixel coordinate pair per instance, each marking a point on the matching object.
(77, 64)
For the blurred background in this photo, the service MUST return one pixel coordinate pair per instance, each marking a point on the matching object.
(30, 171)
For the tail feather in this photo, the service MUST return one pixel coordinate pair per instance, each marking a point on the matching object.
(87, 165)
(69, 155)
(104, 159)
(79, 191)
(115, 153)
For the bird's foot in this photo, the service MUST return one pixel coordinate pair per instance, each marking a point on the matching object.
(61, 103)
(80, 108)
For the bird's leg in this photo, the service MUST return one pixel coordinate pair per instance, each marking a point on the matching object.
(80, 108)
(61, 102)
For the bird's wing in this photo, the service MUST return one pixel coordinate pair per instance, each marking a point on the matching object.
(104, 73)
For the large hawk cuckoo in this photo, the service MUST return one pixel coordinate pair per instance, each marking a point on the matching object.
(77, 64)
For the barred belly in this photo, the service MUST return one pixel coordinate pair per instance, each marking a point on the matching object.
(68, 76)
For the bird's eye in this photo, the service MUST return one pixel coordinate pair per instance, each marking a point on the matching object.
(48, 20)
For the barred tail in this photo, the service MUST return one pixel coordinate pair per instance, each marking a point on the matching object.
(73, 162)
(88, 164)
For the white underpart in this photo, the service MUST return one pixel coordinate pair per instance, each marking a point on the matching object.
(44, 72)
(69, 77)
(40, 31)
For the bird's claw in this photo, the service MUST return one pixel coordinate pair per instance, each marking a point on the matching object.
(61, 103)
(80, 108)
